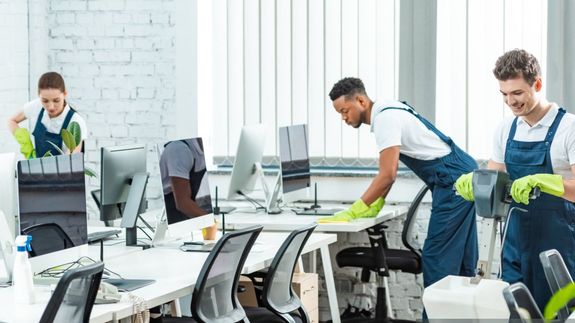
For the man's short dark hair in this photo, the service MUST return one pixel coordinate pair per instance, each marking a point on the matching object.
(348, 87)
(517, 63)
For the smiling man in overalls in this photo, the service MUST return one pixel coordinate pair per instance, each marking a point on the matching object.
(537, 148)
(402, 134)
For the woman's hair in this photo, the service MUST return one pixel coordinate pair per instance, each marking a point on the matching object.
(517, 63)
(51, 80)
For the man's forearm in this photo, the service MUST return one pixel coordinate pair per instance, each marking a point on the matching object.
(379, 187)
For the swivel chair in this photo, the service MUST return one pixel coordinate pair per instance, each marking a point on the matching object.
(214, 297)
(521, 304)
(46, 238)
(379, 258)
(74, 296)
(278, 297)
(557, 275)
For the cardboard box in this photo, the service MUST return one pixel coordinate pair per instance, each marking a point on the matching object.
(247, 298)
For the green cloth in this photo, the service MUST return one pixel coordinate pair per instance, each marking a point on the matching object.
(22, 136)
(548, 183)
(357, 210)
(464, 186)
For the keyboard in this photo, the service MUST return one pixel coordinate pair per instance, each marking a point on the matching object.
(316, 211)
(100, 235)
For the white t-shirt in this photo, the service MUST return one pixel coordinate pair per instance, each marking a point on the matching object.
(394, 127)
(54, 125)
(562, 147)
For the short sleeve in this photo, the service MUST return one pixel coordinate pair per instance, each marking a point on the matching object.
(178, 160)
(387, 128)
(82, 123)
(498, 150)
(32, 109)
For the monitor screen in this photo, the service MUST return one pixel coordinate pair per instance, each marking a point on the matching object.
(8, 195)
(52, 190)
(184, 179)
(118, 166)
(250, 151)
(294, 157)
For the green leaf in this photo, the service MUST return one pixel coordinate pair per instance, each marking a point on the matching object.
(89, 172)
(74, 129)
(56, 147)
(47, 154)
(69, 140)
(558, 301)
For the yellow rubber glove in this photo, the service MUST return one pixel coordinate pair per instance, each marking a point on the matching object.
(22, 136)
(464, 186)
(548, 183)
(357, 210)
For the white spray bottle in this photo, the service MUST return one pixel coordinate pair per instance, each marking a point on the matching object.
(22, 273)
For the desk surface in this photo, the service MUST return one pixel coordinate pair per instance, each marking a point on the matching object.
(175, 273)
(288, 220)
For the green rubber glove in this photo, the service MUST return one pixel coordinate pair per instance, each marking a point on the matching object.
(464, 186)
(548, 183)
(22, 136)
(357, 210)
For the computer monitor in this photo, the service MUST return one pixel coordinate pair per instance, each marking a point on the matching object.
(183, 162)
(294, 158)
(8, 203)
(185, 179)
(6, 250)
(123, 185)
(52, 190)
(247, 164)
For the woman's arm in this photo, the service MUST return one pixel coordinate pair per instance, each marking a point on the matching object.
(14, 120)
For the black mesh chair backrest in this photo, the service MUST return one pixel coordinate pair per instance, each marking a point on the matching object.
(407, 236)
(518, 296)
(278, 295)
(557, 275)
(74, 296)
(214, 298)
(46, 238)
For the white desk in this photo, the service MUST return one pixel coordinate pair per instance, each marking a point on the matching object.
(288, 221)
(175, 273)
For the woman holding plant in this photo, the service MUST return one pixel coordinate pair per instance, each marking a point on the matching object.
(57, 127)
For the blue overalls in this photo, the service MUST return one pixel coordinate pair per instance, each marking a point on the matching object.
(548, 224)
(451, 244)
(42, 136)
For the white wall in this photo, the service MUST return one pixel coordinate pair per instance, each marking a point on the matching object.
(13, 64)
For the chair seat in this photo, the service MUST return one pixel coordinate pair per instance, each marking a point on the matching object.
(262, 314)
(362, 257)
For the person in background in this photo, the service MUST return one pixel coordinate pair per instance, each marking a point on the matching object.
(48, 115)
(185, 182)
(536, 147)
(402, 134)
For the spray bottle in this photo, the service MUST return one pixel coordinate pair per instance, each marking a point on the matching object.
(22, 273)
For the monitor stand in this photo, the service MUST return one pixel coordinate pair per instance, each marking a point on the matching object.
(272, 198)
(131, 210)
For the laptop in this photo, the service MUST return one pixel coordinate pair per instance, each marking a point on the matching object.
(128, 285)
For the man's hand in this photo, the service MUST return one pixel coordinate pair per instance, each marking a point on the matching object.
(22, 136)
(548, 183)
(464, 186)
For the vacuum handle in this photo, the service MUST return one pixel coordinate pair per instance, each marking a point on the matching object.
(535, 193)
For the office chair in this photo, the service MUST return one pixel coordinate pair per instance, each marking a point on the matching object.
(379, 258)
(46, 238)
(557, 275)
(278, 296)
(74, 296)
(214, 297)
(517, 296)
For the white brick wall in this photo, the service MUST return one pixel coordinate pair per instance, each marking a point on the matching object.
(117, 58)
(13, 64)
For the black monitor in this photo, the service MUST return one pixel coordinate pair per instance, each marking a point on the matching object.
(185, 160)
(123, 184)
(52, 190)
(294, 158)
